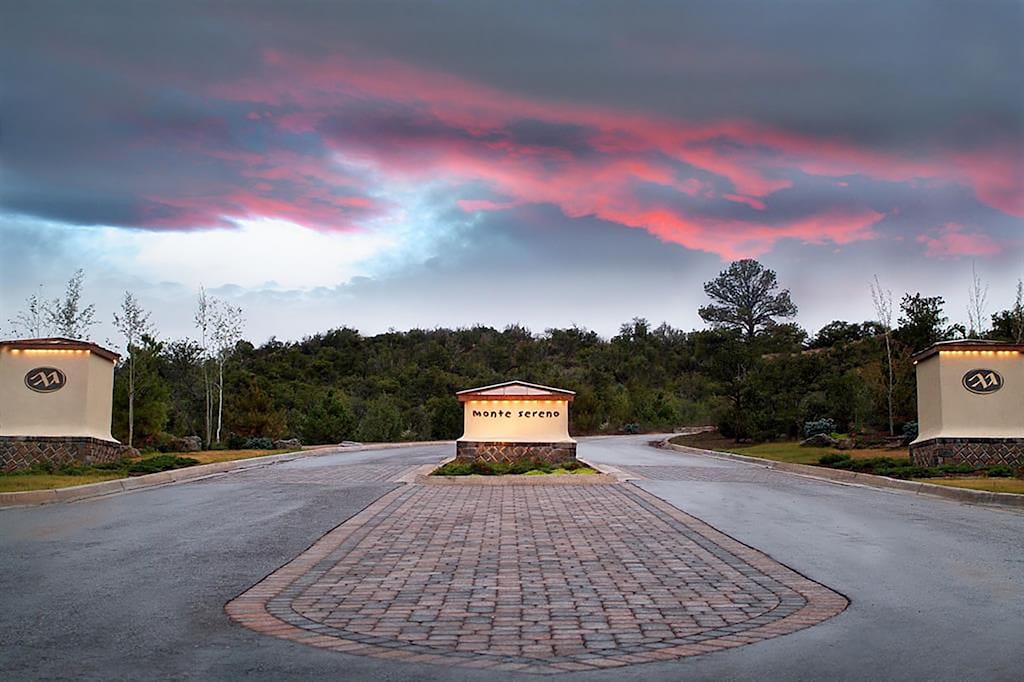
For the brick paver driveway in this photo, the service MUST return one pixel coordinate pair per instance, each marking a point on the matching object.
(534, 578)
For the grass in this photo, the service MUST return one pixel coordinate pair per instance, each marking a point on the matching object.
(791, 452)
(15, 483)
(211, 456)
(994, 485)
(784, 451)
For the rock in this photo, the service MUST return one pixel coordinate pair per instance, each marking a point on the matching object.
(845, 444)
(350, 444)
(187, 444)
(287, 444)
(819, 440)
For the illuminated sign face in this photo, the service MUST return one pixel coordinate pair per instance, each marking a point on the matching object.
(45, 379)
(983, 381)
(521, 414)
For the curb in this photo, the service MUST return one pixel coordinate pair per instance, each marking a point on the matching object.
(966, 495)
(193, 473)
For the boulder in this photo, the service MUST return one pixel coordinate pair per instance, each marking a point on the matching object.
(819, 440)
(187, 444)
(845, 444)
(287, 444)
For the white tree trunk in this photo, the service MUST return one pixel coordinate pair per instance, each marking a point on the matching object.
(892, 381)
(131, 398)
(220, 396)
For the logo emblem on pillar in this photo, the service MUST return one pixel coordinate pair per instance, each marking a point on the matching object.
(45, 379)
(983, 381)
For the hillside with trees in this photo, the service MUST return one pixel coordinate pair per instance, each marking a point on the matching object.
(751, 373)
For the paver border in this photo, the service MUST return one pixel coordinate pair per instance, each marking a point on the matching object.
(255, 608)
(843, 477)
(130, 484)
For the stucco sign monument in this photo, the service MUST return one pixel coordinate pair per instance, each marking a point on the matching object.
(56, 397)
(516, 420)
(970, 404)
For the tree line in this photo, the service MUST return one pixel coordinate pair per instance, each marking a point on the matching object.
(751, 373)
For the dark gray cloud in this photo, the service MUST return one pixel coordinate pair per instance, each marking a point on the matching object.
(175, 115)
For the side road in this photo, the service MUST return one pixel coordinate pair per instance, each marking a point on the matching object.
(121, 485)
(871, 480)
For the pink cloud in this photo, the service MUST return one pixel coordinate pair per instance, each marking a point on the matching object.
(953, 240)
(673, 178)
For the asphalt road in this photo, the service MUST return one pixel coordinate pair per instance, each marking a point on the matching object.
(133, 586)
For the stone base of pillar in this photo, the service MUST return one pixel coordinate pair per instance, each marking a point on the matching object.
(24, 452)
(512, 452)
(976, 451)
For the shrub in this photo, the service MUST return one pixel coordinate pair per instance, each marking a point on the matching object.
(910, 431)
(832, 459)
(1000, 471)
(152, 465)
(518, 467)
(957, 468)
(825, 426)
(260, 443)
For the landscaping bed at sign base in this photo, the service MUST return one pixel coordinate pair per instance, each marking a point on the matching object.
(523, 467)
(48, 477)
(892, 463)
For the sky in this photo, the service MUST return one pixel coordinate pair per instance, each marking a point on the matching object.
(410, 164)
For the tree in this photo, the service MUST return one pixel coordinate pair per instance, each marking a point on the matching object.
(328, 421)
(746, 299)
(181, 370)
(838, 332)
(204, 324)
(254, 414)
(977, 298)
(152, 395)
(382, 422)
(32, 321)
(882, 300)
(1008, 325)
(445, 417)
(922, 322)
(133, 323)
(226, 332)
(67, 317)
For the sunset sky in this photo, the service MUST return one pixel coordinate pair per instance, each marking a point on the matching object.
(381, 164)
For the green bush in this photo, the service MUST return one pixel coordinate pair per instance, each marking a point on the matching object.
(518, 467)
(999, 471)
(957, 468)
(831, 459)
(152, 465)
(258, 444)
(825, 426)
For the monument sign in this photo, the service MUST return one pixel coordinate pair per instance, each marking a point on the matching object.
(970, 404)
(516, 420)
(56, 397)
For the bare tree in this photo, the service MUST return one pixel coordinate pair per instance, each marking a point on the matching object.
(1018, 313)
(882, 299)
(67, 317)
(977, 299)
(32, 320)
(133, 322)
(226, 332)
(204, 323)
